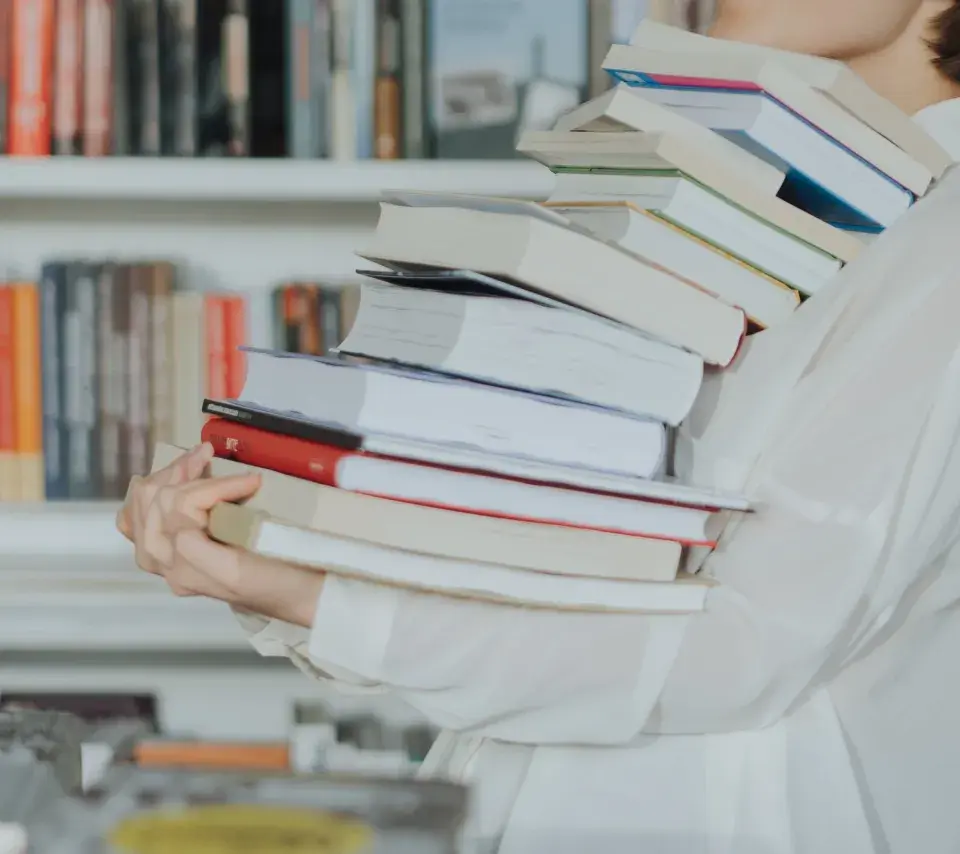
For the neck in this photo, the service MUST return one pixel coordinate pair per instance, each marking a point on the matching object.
(903, 71)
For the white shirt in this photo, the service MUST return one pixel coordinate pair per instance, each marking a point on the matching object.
(814, 707)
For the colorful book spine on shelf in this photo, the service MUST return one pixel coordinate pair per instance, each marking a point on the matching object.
(95, 361)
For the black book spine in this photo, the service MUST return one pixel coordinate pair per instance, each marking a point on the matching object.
(52, 309)
(272, 422)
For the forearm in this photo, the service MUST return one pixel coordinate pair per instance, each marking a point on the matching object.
(278, 590)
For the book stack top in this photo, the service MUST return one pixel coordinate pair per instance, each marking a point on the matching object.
(497, 423)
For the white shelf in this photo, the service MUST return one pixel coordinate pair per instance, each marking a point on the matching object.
(226, 180)
(67, 581)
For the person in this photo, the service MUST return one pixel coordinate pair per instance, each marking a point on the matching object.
(813, 707)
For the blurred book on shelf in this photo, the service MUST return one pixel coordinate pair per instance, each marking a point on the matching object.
(344, 79)
(102, 359)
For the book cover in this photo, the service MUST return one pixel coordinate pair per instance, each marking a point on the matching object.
(498, 69)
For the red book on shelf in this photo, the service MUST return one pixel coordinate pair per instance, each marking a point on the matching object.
(445, 488)
(215, 334)
(31, 77)
(235, 337)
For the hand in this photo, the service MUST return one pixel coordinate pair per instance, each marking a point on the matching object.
(165, 516)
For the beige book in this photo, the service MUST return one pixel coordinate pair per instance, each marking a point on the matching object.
(188, 366)
(623, 109)
(554, 549)
(256, 531)
(9, 476)
(732, 60)
(526, 244)
(665, 152)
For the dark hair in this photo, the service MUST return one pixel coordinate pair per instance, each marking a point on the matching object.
(946, 41)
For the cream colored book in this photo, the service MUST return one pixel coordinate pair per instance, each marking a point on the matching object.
(582, 150)
(622, 109)
(257, 531)
(527, 244)
(695, 55)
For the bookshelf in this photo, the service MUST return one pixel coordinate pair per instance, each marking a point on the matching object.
(69, 591)
(259, 181)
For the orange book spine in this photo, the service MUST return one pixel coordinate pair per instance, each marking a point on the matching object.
(235, 337)
(9, 482)
(266, 757)
(27, 384)
(31, 77)
(68, 64)
(215, 334)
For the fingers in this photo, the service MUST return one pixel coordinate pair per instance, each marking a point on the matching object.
(203, 567)
(204, 494)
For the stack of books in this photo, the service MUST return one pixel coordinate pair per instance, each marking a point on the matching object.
(497, 423)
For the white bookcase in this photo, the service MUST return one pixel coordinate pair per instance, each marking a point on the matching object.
(75, 614)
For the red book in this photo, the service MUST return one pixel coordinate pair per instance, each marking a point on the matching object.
(68, 77)
(215, 334)
(31, 77)
(235, 337)
(443, 488)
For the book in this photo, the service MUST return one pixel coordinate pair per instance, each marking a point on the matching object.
(822, 176)
(539, 250)
(764, 299)
(738, 61)
(646, 67)
(375, 399)
(623, 109)
(258, 532)
(704, 214)
(490, 540)
(496, 69)
(629, 153)
(451, 489)
(456, 326)
(666, 490)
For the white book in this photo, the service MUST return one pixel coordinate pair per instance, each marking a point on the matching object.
(731, 60)
(644, 67)
(522, 344)
(432, 408)
(539, 250)
(705, 214)
(602, 114)
(823, 178)
(257, 532)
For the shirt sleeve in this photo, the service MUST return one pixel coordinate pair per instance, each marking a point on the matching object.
(858, 494)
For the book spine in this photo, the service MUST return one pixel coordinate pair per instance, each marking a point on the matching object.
(80, 407)
(235, 337)
(139, 350)
(98, 73)
(121, 344)
(216, 352)
(31, 77)
(283, 454)
(282, 425)
(413, 78)
(185, 131)
(111, 356)
(293, 313)
(311, 325)
(68, 77)
(331, 320)
(302, 124)
(148, 40)
(160, 281)
(29, 398)
(6, 48)
(9, 405)
(236, 77)
(343, 95)
(388, 99)
(52, 296)
(600, 29)
(363, 73)
(120, 83)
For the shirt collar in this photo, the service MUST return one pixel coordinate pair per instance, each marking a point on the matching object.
(942, 122)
